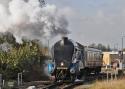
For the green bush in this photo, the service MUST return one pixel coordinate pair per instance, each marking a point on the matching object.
(26, 57)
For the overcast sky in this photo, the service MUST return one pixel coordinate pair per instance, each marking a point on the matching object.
(94, 21)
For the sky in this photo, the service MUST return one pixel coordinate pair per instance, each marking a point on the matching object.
(94, 21)
(91, 21)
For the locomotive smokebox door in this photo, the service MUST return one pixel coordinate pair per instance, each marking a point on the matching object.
(63, 52)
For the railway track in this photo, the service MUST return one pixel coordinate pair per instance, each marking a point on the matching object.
(71, 85)
(62, 85)
(34, 83)
(52, 86)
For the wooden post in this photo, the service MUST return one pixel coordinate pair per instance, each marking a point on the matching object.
(111, 76)
(19, 79)
(116, 73)
(0, 81)
(107, 73)
(107, 76)
(3, 83)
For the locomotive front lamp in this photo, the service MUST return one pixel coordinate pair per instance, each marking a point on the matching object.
(62, 64)
(50, 68)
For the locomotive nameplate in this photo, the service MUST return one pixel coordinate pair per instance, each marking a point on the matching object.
(62, 68)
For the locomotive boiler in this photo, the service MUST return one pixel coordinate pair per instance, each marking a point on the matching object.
(71, 60)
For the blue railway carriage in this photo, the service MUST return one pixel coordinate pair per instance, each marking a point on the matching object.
(71, 60)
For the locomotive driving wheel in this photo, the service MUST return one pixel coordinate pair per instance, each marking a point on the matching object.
(72, 77)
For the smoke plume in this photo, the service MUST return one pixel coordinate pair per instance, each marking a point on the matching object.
(26, 18)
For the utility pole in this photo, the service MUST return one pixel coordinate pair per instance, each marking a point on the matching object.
(48, 48)
(120, 53)
(116, 47)
(122, 47)
(122, 44)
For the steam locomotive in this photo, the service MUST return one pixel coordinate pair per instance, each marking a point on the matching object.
(71, 60)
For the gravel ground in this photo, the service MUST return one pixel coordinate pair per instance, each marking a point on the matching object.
(86, 86)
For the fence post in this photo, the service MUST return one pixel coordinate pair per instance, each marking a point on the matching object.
(107, 72)
(116, 73)
(107, 76)
(0, 81)
(3, 83)
(19, 79)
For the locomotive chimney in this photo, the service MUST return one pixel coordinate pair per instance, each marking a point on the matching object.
(64, 40)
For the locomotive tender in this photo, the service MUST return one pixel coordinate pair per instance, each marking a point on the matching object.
(71, 60)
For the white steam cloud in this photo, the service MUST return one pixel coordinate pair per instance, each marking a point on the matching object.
(26, 18)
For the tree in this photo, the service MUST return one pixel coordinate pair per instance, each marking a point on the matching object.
(93, 45)
(27, 57)
(100, 47)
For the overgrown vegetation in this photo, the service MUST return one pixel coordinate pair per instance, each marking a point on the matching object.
(100, 46)
(26, 57)
(112, 84)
